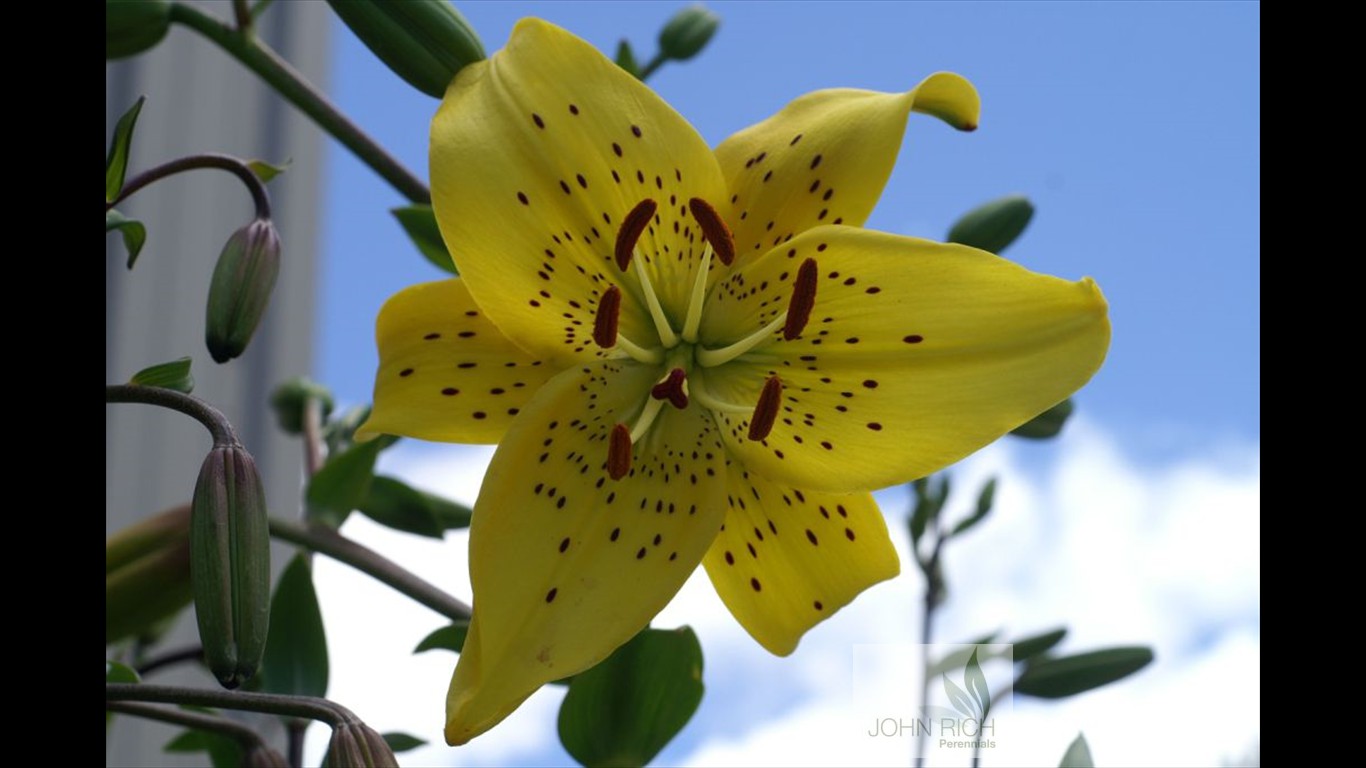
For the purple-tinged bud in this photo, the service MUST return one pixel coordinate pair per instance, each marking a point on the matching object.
(357, 745)
(240, 289)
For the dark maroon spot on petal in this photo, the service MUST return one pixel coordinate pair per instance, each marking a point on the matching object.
(522, 196)
(564, 545)
(616, 148)
(564, 186)
(573, 110)
(658, 538)
(803, 299)
(641, 554)
(730, 559)
(582, 181)
(849, 533)
(560, 504)
(406, 372)
(431, 337)
(811, 537)
(795, 139)
(914, 338)
(673, 556)
(466, 365)
(635, 130)
(874, 289)
(818, 605)
(480, 415)
(537, 119)
(449, 391)
(815, 185)
(615, 533)
(870, 383)
(828, 193)
(714, 229)
(755, 584)
(876, 427)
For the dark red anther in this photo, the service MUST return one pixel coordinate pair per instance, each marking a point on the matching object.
(671, 389)
(632, 227)
(803, 299)
(606, 321)
(619, 452)
(766, 411)
(714, 229)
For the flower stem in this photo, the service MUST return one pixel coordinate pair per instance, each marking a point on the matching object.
(652, 65)
(192, 653)
(270, 703)
(195, 162)
(289, 83)
(212, 418)
(336, 546)
(230, 728)
(934, 587)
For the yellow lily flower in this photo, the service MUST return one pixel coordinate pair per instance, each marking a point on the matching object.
(692, 356)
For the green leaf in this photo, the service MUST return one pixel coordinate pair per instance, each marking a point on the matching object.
(929, 500)
(344, 481)
(993, 226)
(451, 638)
(134, 233)
(116, 162)
(296, 648)
(626, 58)
(984, 500)
(116, 672)
(340, 431)
(1078, 754)
(420, 224)
(1028, 647)
(224, 751)
(399, 506)
(266, 171)
(1047, 424)
(401, 742)
(1054, 678)
(171, 375)
(624, 710)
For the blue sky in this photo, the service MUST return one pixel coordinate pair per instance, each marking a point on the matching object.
(1135, 128)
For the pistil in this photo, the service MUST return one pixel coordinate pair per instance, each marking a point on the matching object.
(671, 389)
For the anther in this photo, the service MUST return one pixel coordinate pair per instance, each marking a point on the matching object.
(632, 227)
(619, 452)
(714, 229)
(609, 316)
(671, 389)
(803, 299)
(766, 411)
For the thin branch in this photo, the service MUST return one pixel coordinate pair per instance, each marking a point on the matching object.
(315, 452)
(336, 546)
(212, 418)
(192, 653)
(230, 728)
(227, 163)
(270, 703)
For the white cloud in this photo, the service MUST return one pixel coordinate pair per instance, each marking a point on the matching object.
(1120, 551)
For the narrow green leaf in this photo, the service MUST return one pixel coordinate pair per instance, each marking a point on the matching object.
(984, 500)
(344, 481)
(116, 672)
(1028, 647)
(420, 224)
(296, 649)
(1047, 424)
(1054, 678)
(401, 742)
(1078, 754)
(116, 162)
(266, 171)
(451, 638)
(223, 751)
(995, 225)
(170, 375)
(624, 710)
(626, 59)
(133, 232)
(397, 505)
(340, 431)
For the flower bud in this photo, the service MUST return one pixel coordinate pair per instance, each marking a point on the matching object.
(688, 32)
(425, 42)
(356, 745)
(230, 563)
(290, 398)
(241, 287)
(994, 225)
(133, 26)
(146, 574)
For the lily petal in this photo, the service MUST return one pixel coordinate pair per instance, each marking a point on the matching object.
(916, 354)
(787, 559)
(532, 224)
(445, 372)
(566, 563)
(826, 156)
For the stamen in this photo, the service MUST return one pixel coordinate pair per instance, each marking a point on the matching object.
(619, 452)
(803, 299)
(666, 333)
(705, 399)
(647, 417)
(671, 389)
(632, 227)
(766, 411)
(699, 295)
(714, 229)
(608, 318)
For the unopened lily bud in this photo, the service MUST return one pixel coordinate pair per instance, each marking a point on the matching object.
(994, 225)
(290, 398)
(230, 563)
(262, 756)
(133, 26)
(241, 287)
(357, 745)
(425, 42)
(688, 32)
(146, 574)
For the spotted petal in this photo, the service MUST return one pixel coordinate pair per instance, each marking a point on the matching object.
(537, 156)
(566, 563)
(826, 156)
(445, 372)
(787, 559)
(916, 354)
